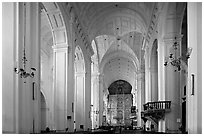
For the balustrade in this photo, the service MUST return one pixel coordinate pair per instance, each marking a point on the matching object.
(157, 105)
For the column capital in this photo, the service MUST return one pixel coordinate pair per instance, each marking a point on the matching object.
(61, 47)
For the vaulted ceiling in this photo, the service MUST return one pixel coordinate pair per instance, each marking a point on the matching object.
(117, 28)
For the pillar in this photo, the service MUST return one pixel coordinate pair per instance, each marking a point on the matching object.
(101, 88)
(140, 96)
(28, 89)
(95, 97)
(172, 88)
(79, 102)
(147, 77)
(87, 100)
(9, 52)
(161, 80)
(194, 87)
(71, 76)
(60, 60)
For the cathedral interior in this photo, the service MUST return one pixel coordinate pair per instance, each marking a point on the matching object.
(102, 67)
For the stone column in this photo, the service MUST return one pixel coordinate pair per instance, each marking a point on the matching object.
(172, 88)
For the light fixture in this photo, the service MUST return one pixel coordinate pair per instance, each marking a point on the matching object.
(22, 71)
(174, 60)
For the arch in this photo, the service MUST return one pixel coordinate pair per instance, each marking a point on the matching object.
(79, 62)
(43, 111)
(120, 87)
(56, 16)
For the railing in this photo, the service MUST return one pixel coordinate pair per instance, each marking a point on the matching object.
(157, 105)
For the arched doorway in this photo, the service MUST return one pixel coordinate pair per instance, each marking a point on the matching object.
(154, 72)
(119, 104)
(79, 92)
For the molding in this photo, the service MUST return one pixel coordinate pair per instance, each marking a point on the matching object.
(152, 26)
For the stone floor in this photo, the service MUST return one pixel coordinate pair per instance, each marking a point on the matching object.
(102, 131)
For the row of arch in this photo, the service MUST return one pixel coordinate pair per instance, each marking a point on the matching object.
(81, 60)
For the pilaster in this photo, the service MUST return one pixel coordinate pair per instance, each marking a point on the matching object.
(60, 61)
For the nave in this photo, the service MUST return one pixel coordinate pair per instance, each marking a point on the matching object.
(101, 67)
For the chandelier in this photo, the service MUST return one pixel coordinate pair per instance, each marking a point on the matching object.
(175, 61)
(22, 71)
